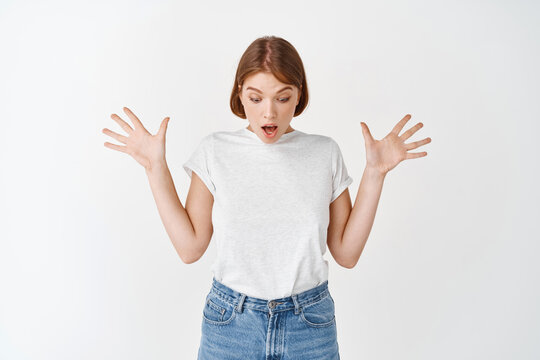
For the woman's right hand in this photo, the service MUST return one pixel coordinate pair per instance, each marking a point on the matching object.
(145, 148)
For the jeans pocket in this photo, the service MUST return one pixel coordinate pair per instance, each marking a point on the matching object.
(320, 313)
(217, 311)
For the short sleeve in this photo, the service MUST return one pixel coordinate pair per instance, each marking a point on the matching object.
(340, 176)
(201, 162)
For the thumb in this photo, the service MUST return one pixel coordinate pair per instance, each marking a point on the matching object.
(366, 132)
(163, 127)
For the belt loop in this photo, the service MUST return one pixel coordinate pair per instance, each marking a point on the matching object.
(296, 304)
(240, 303)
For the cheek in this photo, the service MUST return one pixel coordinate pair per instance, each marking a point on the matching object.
(248, 107)
(291, 105)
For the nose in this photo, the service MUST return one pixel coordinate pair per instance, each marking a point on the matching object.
(269, 110)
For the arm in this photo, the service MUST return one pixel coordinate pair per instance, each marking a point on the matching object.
(349, 229)
(189, 229)
(189, 243)
(361, 218)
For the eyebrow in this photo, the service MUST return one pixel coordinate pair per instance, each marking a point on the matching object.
(260, 92)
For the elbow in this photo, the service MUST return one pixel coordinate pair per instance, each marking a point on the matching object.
(188, 258)
(348, 265)
(187, 261)
(345, 261)
(190, 254)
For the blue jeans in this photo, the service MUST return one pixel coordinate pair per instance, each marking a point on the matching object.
(236, 326)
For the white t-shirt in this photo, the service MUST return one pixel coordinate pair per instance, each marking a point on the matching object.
(271, 208)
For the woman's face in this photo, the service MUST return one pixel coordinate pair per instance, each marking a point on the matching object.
(267, 101)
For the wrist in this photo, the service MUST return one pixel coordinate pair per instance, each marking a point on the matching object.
(375, 173)
(156, 166)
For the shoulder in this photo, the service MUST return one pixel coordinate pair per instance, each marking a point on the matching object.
(209, 138)
(330, 146)
(206, 139)
(224, 136)
(318, 139)
(330, 142)
(204, 145)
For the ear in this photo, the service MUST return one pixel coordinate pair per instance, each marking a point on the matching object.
(240, 94)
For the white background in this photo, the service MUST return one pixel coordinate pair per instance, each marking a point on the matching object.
(87, 270)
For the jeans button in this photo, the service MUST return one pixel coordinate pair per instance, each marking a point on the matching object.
(272, 304)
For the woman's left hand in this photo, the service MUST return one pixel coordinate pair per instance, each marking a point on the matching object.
(384, 155)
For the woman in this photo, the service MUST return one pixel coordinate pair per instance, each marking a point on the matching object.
(273, 197)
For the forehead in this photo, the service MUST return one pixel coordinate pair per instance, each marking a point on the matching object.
(266, 82)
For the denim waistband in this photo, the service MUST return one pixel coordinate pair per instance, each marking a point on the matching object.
(295, 301)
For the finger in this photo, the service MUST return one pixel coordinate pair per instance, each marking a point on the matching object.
(114, 135)
(399, 126)
(407, 134)
(134, 119)
(116, 147)
(415, 155)
(416, 144)
(124, 125)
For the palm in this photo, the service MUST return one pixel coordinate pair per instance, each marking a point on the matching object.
(384, 155)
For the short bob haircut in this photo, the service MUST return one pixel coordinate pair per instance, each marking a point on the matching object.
(274, 55)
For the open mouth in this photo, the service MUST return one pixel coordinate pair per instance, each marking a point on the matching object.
(270, 131)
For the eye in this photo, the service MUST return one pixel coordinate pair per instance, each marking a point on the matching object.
(256, 101)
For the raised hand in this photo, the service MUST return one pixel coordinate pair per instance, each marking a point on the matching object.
(145, 148)
(384, 155)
